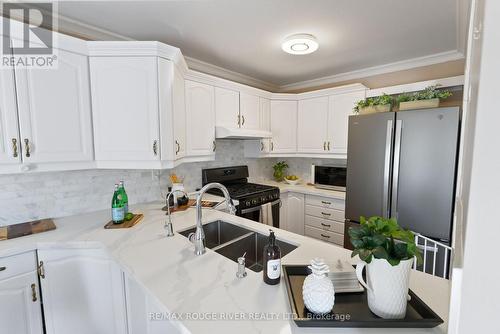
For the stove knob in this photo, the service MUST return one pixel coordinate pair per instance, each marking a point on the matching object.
(247, 203)
(254, 201)
(263, 199)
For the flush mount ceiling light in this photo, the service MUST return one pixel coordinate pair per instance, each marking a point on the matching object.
(300, 44)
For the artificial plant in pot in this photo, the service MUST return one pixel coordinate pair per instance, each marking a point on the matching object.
(279, 170)
(370, 105)
(427, 98)
(388, 252)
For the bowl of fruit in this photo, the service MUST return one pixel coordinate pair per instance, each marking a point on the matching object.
(292, 179)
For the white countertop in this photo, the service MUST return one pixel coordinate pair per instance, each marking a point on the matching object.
(182, 282)
(302, 188)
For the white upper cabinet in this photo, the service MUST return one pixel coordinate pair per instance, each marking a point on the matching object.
(200, 116)
(249, 111)
(179, 115)
(125, 108)
(227, 108)
(54, 111)
(340, 108)
(283, 126)
(10, 146)
(312, 125)
(265, 123)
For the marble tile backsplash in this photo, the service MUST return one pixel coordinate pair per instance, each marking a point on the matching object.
(26, 197)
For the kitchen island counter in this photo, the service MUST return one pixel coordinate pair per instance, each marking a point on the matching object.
(189, 286)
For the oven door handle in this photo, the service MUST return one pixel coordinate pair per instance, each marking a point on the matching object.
(258, 208)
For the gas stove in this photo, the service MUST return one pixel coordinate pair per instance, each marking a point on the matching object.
(251, 196)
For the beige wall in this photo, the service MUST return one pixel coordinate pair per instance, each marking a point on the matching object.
(436, 71)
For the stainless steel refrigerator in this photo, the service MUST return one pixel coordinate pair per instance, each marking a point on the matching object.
(403, 165)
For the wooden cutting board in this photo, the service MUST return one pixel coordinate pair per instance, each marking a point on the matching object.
(191, 202)
(126, 224)
(20, 230)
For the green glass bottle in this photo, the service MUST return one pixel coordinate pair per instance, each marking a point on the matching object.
(117, 208)
(124, 196)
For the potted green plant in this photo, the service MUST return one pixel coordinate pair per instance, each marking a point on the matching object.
(370, 105)
(279, 170)
(427, 98)
(388, 252)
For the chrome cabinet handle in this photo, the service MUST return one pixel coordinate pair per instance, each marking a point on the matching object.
(155, 147)
(3, 268)
(324, 146)
(243, 120)
(178, 147)
(325, 236)
(33, 292)
(27, 146)
(214, 146)
(328, 146)
(325, 202)
(14, 147)
(41, 270)
(326, 214)
(272, 146)
(326, 225)
(262, 146)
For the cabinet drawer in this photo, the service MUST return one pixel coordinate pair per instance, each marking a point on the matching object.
(325, 202)
(17, 264)
(325, 224)
(330, 214)
(332, 237)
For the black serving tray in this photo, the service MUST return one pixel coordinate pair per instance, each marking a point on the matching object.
(351, 309)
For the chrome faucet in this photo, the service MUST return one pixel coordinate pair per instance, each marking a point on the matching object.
(168, 226)
(198, 237)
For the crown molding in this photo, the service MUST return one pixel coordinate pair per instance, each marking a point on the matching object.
(376, 70)
(207, 68)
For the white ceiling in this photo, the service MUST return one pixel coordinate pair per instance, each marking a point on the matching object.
(245, 35)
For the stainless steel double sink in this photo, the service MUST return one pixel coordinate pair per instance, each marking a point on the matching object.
(233, 241)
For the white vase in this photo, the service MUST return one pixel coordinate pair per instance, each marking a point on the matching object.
(387, 287)
(317, 291)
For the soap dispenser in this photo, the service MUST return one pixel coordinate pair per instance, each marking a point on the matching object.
(272, 261)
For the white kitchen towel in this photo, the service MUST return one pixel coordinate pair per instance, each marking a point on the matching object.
(266, 214)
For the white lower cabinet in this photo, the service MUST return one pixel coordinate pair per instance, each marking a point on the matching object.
(82, 292)
(292, 212)
(20, 310)
(324, 218)
(144, 314)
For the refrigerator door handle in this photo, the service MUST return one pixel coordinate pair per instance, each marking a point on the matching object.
(395, 172)
(387, 170)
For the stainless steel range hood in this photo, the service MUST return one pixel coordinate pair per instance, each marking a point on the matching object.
(223, 132)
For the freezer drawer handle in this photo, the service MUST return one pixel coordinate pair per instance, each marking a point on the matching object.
(326, 225)
(325, 236)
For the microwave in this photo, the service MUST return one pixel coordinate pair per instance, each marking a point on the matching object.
(329, 177)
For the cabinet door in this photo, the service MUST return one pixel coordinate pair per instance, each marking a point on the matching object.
(250, 111)
(340, 108)
(179, 105)
(227, 108)
(10, 147)
(284, 126)
(82, 292)
(200, 116)
(312, 125)
(20, 310)
(54, 111)
(265, 123)
(295, 213)
(125, 108)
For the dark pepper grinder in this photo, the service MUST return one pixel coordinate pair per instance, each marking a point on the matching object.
(272, 261)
